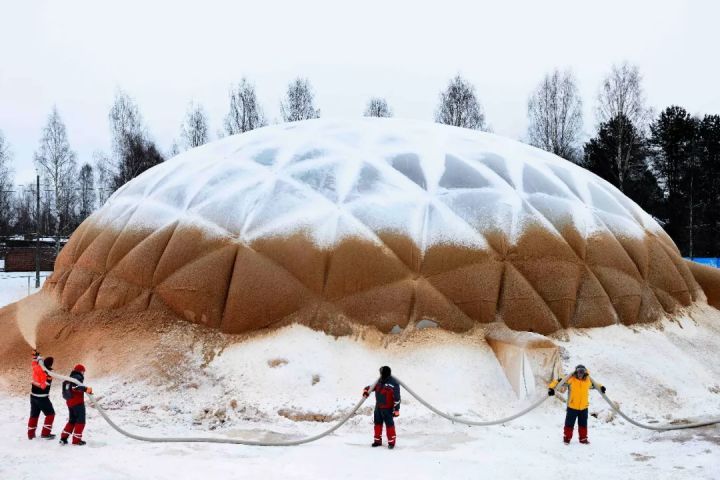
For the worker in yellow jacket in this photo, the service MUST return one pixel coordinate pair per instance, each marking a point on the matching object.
(579, 385)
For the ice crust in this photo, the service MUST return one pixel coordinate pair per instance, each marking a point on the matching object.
(332, 179)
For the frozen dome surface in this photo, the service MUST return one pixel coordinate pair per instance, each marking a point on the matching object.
(379, 222)
(333, 179)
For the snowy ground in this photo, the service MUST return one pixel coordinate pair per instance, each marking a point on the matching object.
(666, 374)
(14, 285)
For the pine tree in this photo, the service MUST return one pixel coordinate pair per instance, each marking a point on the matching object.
(707, 233)
(675, 157)
(637, 181)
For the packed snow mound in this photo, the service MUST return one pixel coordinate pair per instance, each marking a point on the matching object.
(378, 222)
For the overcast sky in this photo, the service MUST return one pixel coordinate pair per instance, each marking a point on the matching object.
(75, 54)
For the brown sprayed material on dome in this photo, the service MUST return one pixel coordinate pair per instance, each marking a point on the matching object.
(538, 285)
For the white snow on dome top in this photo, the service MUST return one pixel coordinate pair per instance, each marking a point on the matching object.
(337, 178)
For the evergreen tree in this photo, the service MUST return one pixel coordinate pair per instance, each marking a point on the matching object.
(707, 233)
(638, 182)
(675, 157)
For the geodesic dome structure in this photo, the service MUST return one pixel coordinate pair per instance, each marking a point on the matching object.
(378, 222)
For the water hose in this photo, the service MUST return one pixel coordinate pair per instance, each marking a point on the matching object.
(352, 411)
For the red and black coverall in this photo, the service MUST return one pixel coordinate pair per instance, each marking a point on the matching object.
(387, 401)
(75, 399)
(40, 401)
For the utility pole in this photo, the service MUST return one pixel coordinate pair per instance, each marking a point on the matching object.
(37, 231)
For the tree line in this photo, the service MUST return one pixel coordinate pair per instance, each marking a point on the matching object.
(669, 163)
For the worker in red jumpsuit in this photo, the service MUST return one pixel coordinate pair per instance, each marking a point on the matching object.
(387, 406)
(74, 396)
(40, 398)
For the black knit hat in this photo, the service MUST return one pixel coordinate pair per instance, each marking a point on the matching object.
(385, 372)
(49, 362)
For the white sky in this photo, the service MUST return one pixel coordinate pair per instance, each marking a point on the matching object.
(74, 54)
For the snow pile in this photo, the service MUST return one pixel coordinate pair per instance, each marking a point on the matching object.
(375, 222)
(293, 381)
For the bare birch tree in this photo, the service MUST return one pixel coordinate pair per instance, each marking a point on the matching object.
(245, 113)
(194, 130)
(106, 171)
(6, 186)
(56, 162)
(555, 116)
(621, 97)
(133, 151)
(459, 106)
(378, 107)
(299, 103)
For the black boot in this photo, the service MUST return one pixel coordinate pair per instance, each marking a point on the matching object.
(391, 446)
(376, 444)
(49, 436)
(63, 441)
(80, 443)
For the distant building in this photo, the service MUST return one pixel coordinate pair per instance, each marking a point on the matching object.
(19, 253)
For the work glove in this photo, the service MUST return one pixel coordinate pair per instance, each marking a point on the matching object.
(396, 413)
(551, 392)
(602, 389)
(366, 392)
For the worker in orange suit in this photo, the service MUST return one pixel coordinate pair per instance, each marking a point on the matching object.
(40, 398)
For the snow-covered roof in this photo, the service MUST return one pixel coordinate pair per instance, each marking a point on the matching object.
(332, 179)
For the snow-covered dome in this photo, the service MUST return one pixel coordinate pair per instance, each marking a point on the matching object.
(374, 221)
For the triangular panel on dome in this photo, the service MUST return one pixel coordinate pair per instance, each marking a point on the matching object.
(538, 181)
(431, 304)
(443, 226)
(409, 165)
(473, 288)
(141, 261)
(286, 204)
(593, 306)
(357, 265)
(521, 307)
(230, 208)
(299, 255)
(198, 289)
(188, 242)
(384, 306)
(459, 174)
(498, 165)
(255, 280)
